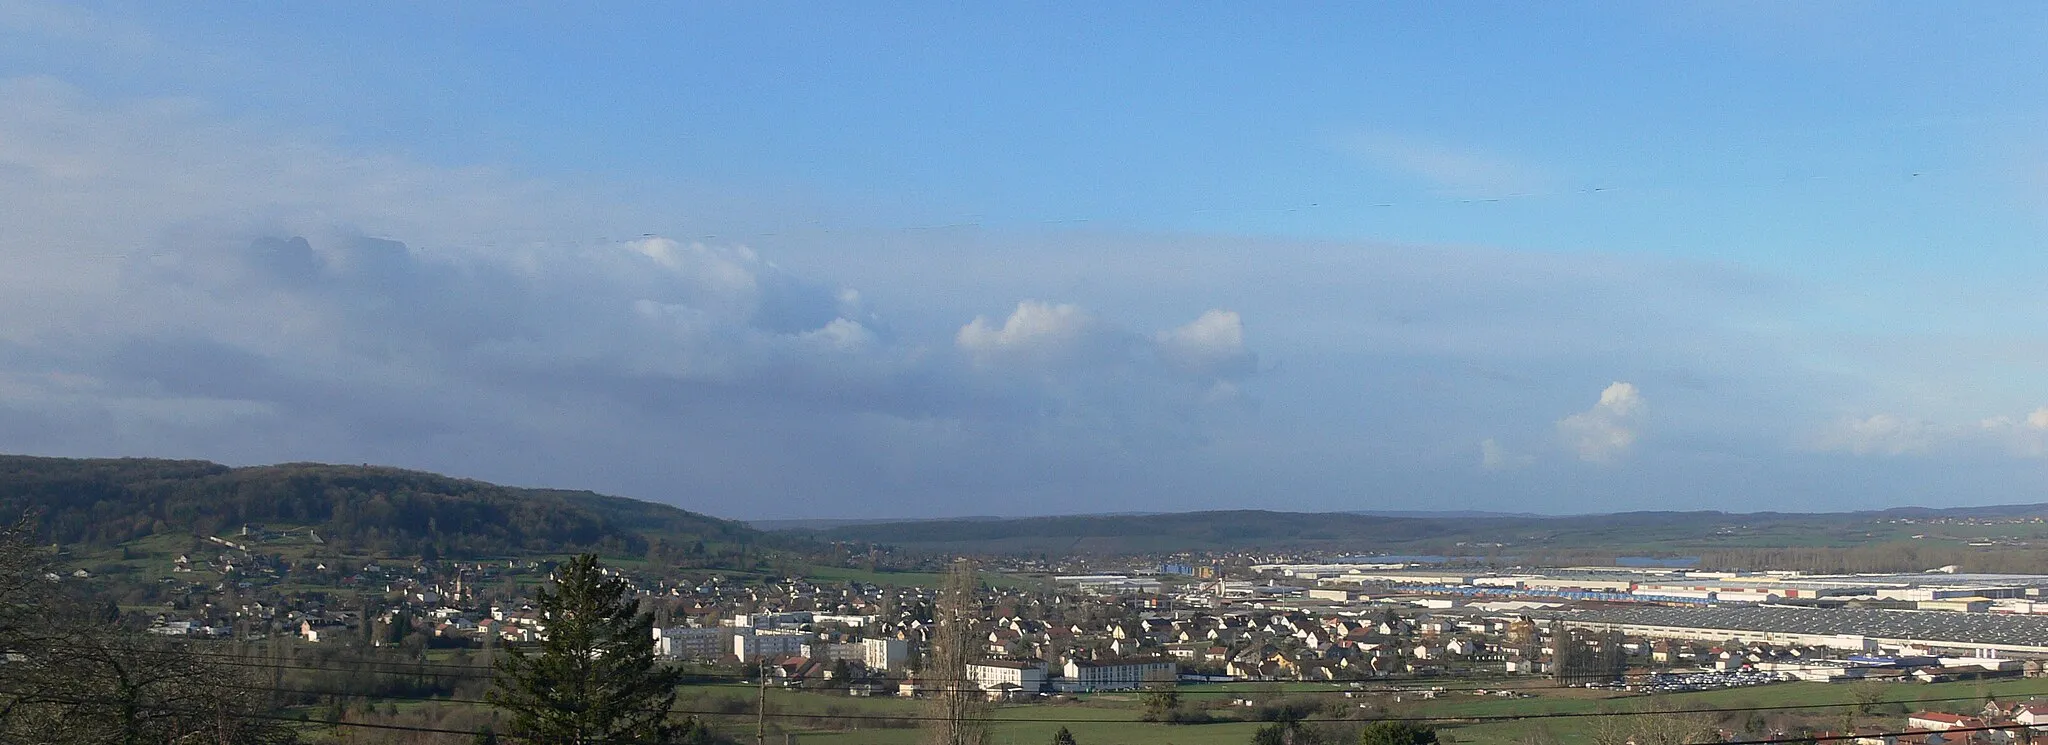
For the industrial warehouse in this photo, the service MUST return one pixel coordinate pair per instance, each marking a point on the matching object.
(1935, 590)
(1942, 611)
(1980, 634)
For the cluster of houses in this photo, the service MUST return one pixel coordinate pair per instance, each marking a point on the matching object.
(1997, 724)
(1078, 637)
(1023, 655)
(246, 597)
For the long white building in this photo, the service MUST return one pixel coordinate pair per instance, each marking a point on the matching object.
(1082, 676)
(1027, 676)
(752, 644)
(1980, 634)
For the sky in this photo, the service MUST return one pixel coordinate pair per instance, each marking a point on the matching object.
(791, 260)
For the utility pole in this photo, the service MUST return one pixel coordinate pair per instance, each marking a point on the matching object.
(761, 707)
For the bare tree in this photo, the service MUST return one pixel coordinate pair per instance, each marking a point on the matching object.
(22, 591)
(1655, 724)
(23, 588)
(957, 709)
(1870, 696)
(74, 674)
(104, 684)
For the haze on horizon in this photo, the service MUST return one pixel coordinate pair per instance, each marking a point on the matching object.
(770, 260)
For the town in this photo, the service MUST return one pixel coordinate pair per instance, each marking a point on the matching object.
(1378, 629)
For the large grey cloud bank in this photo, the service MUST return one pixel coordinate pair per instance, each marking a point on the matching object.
(182, 287)
(180, 283)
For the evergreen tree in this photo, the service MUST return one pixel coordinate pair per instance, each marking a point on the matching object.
(594, 679)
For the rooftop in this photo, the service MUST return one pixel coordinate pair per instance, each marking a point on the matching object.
(1927, 626)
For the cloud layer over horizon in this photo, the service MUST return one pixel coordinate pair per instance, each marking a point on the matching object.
(186, 279)
(185, 330)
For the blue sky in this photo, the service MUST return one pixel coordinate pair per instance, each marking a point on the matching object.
(782, 260)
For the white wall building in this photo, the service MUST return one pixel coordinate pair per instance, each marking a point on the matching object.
(1029, 676)
(851, 621)
(767, 643)
(1117, 675)
(771, 620)
(1110, 584)
(689, 643)
(831, 651)
(885, 654)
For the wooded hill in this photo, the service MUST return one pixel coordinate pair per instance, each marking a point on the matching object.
(2010, 538)
(1218, 530)
(106, 502)
(365, 509)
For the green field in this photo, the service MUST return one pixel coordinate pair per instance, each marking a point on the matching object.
(1114, 719)
(1035, 725)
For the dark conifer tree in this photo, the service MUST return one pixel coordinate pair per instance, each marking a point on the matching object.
(594, 679)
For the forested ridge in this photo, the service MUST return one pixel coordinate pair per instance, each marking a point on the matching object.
(2000, 538)
(105, 502)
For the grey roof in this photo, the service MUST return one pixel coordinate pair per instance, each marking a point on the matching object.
(1928, 626)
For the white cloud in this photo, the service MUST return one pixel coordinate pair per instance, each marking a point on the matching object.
(1893, 435)
(1606, 432)
(1086, 377)
(1494, 457)
(1042, 335)
(2026, 437)
(1211, 344)
(1455, 170)
(1878, 434)
(843, 335)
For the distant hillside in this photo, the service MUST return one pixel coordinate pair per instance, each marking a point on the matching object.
(105, 502)
(1141, 533)
(1734, 537)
